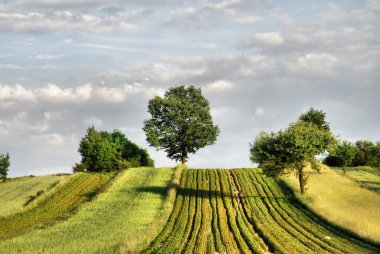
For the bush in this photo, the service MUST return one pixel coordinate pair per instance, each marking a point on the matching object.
(104, 151)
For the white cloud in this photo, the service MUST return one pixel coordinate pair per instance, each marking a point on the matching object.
(10, 67)
(60, 20)
(272, 38)
(219, 86)
(48, 56)
(110, 94)
(15, 93)
(54, 93)
(260, 111)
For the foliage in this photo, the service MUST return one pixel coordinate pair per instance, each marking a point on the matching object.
(363, 153)
(180, 122)
(316, 117)
(127, 210)
(4, 166)
(291, 149)
(243, 211)
(341, 155)
(368, 154)
(104, 151)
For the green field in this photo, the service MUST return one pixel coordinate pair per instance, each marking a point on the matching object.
(125, 217)
(341, 201)
(17, 193)
(175, 211)
(366, 177)
(242, 211)
(62, 202)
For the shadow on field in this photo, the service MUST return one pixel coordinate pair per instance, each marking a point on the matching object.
(191, 192)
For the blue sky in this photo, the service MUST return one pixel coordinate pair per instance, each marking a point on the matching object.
(66, 65)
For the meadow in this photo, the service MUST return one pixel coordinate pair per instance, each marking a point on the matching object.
(366, 177)
(341, 201)
(130, 208)
(242, 211)
(62, 202)
(17, 193)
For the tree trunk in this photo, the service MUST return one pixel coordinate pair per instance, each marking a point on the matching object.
(183, 159)
(302, 181)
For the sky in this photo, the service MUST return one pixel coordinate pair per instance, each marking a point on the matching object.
(67, 65)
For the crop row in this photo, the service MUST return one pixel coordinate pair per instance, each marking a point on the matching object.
(242, 211)
(62, 202)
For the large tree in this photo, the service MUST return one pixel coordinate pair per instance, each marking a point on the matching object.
(291, 149)
(4, 166)
(317, 117)
(180, 122)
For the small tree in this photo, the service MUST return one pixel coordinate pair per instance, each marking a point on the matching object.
(4, 166)
(291, 150)
(341, 155)
(104, 151)
(180, 122)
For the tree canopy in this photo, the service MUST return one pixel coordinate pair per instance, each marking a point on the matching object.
(4, 166)
(291, 149)
(362, 153)
(180, 122)
(104, 151)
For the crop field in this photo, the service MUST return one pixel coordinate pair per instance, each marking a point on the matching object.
(18, 194)
(242, 211)
(123, 219)
(63, 200)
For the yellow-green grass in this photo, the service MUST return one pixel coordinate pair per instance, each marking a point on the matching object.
(130, 207)
(17, 193)
(60, 204)
(242, 211)
(366, 177)
(341, 201)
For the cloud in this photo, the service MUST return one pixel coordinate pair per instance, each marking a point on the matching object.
(48, 56)
(264, 40)
(218, 86)
(15, 93)
(61, 21)
(260, 111)
(54, 93)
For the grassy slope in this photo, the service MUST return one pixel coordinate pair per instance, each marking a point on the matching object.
(132, 203)
(58, 205)
(342, 202)
(366, 177)
(15, 193)
(242, 211)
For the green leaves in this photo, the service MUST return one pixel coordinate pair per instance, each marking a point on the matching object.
(103, 151)
(4, 166)
(294, 147)
(180, 122)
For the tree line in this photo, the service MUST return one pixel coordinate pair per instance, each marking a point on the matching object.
(360, 153)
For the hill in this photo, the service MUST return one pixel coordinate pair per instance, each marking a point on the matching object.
(218, 211)
(342, 201)
(19, 193)
(126, 216)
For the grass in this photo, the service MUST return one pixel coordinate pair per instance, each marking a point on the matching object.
(342, 202)
(366, 177)
(242, 211)
(130, 208)
(20, 193)
(58, 205)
